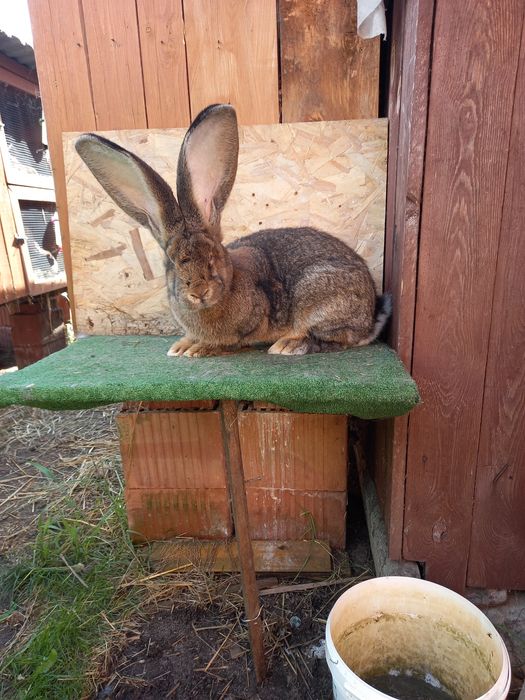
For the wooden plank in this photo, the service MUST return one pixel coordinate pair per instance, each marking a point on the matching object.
(13, 281)
(232, 57)
(327, 71)
(467, 148)
(7, 292)
(330, 175)
(163, 56)
(498, 524)
(408, 104)
(66, 94)
(17, 81)
(279, 557)
(112, 41)
(241, 522)
(24, 72)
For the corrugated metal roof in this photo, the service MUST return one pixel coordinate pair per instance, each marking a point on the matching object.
(13, 48)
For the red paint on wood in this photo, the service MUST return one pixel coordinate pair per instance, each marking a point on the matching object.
(498, 524)
(469, 128)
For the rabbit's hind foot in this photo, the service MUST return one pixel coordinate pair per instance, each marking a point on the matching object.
(293, 345)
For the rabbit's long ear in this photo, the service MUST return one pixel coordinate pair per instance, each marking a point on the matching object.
(207, 167)
(133, 185)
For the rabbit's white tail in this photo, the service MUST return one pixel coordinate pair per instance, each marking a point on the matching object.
(383, 311)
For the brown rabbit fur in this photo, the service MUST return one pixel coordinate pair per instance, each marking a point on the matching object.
(300, 289)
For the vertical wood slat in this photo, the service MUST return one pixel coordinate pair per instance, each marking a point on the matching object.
(327, 71)
(236, 485)
(161, 31)
(113, 46)
(498, 524)
(232, 57)
(12, 278)
(412, 35)
(64, 81)
(466, 157)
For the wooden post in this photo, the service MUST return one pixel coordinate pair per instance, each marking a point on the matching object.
(235, 474)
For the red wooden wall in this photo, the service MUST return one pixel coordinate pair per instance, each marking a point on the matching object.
(452, 476)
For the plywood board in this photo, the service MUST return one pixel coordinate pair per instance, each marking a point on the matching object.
(327, 174)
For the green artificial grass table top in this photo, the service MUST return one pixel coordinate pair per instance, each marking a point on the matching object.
(368, 382)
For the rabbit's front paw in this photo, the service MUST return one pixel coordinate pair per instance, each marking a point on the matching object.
(180, 347)
(201, 350)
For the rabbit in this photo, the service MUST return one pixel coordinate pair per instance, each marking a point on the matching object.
(300, 290)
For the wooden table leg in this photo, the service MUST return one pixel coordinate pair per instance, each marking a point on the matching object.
(235, 472)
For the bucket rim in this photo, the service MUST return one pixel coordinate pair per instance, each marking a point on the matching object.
(334, 659)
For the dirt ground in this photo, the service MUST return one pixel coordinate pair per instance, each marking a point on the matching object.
(188, 641)
(178, 645)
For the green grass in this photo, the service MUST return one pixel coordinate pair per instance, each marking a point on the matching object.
(70, 614)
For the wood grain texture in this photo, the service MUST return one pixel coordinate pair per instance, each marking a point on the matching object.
(12, 278)
(232, 57)
(163, 56)
(327, 71)
(408, 104)
(112, 40)
(467, 148)
(330, 175)
(498, 524)
(269, 557)
(229, 411)
(64, 81)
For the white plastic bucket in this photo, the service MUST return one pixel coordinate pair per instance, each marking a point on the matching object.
(397, 622)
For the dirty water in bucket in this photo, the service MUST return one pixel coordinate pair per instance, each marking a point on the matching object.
(409, 686)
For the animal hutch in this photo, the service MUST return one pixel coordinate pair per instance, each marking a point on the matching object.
(31, 263)
(450, 476)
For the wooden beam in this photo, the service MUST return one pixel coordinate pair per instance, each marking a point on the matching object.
(7, 76)
(270, 556)
(235, 474)
(18, 69)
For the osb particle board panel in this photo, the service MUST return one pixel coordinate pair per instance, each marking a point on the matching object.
(326, 174)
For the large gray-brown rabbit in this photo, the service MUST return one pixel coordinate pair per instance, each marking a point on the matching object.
(298, 288)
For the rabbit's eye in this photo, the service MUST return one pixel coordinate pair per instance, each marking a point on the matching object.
(184, 261)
